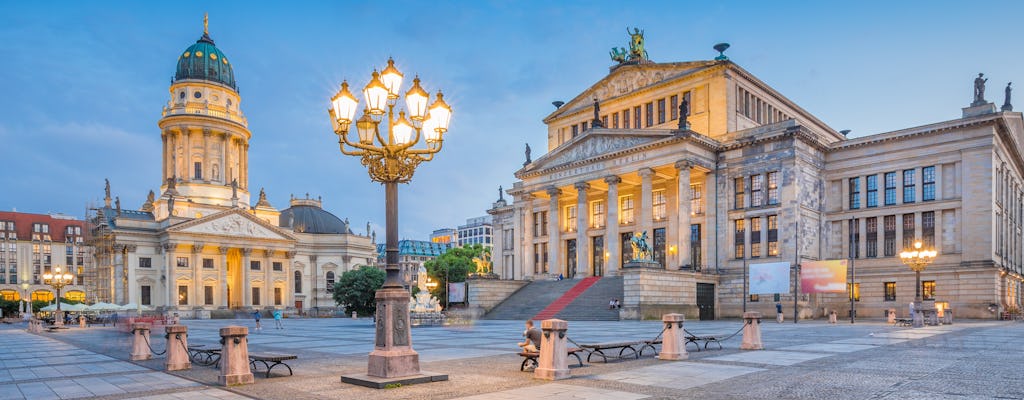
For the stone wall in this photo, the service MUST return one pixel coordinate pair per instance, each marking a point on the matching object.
(484, 294)
(649, 293)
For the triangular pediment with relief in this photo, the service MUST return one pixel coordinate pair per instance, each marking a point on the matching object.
(235, 223)
(627, 79)
(594, 144)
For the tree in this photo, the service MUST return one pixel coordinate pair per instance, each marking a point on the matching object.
(452, 266)
(355, 290)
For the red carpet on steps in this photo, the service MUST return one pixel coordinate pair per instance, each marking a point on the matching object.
(556, 306)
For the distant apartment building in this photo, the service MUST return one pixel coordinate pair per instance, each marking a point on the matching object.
(476, 231)
(444, 235)
(32, 245)
(412, 254)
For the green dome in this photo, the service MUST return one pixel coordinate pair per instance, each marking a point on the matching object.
(205, 61)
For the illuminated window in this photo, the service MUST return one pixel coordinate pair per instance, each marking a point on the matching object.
(739, 192)
(755, 237)
(658, 197)
(773, 188)
(756, 186)
(854, 292)
(626, 209)
(773, 235)
(928, 290)
(597, 214)
(570, 219)
(890, 291)
(182, 295)
(740, 230)
(696, 198)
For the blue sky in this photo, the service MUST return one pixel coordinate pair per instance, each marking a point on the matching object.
(85, 82)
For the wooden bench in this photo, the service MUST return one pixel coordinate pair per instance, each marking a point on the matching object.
(271, 360)
(599, 348)
(706, 339)
(903, 322)
(530, 357)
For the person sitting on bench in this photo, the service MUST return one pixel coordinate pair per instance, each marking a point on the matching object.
(531, 338)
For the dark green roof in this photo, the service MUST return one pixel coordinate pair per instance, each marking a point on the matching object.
(204, 61)
(417, 248)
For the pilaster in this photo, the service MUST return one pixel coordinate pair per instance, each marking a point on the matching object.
(582, 241)
(611, 238)
(554, 228)
(683, 212)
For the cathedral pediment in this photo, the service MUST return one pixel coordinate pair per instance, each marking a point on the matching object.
(628, 79)
(233, 223)
(594, 144)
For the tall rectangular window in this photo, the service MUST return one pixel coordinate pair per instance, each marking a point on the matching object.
(928, 183)
(673, 107)
(739, 192)
(627, 249)
(927, 290)
(890, 291)
(740, 230)
(658, 198)
(198, 170)
(145, 262)
(575, 130)
(278, 296)
(583, 126)
(695, 254)
(696, 198)
(147, 298)
(773, 235)
(208, 295)
(625, 119)
(756, 187)
(908, 186)
(890, 188)
(889, 247)
(658, 251)
(928, 229)
(871, 226)
(255, 296)
(872, 188)
(908, 230)
(854, 238)
(570, 219)
(636, 117)
(854, 193)
(597, 214)
(773, 188)
(649, 110)
(182, 295)
(615, 120)
(626, 210)
(661, 111)
(755, 237)
(254, 265)
(182, 262)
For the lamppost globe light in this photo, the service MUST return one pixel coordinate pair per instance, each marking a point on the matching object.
(392, 80)
(344, 107)
(430, 134)
(441, 113)
(416, 102)
(365, 127)
(917, 244)
(376, 95)
(402, 130)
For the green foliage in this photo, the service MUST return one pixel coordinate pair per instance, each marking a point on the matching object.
(393, 386)
(454, 266)
(10, 307)
(38, 304)
(355, 290)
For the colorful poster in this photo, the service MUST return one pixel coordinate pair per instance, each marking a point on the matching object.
(769, 278)
(457, 292)
(828, 276)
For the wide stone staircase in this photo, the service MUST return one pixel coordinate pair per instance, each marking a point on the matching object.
(588, 303)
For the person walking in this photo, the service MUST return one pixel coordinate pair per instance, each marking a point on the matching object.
(778, 312)
(277, 320)
(256, 315)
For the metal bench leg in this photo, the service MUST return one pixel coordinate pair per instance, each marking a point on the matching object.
(578, 359)
(279, 363)
(623, 350)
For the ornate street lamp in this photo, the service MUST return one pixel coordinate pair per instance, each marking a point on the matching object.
(390, 158)
(57, 281)
(25, 298)
(918, 259)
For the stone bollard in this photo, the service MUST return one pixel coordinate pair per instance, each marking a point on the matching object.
(177, 348)
(832, 317)
(81, 321)
(354, 316)
(890, 316)
(553, 362)
(140, 342)
(673, 340)
(234, 357)
(752, 331)
(949, 316)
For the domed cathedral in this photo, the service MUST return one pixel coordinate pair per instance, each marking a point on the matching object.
(201, 246)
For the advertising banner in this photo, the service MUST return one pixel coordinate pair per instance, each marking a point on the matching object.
(457, 292)
(828, 276)
(769, 278)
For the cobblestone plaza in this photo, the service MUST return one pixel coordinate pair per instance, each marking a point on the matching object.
(811, 359)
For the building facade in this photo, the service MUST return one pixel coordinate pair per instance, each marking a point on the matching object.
(477, 230)
(201, 244)
(412, 254)
(444, 235)
(751, 178)
(32, 245)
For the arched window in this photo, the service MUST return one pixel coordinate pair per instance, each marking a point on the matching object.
(330, 281)
(298, 281)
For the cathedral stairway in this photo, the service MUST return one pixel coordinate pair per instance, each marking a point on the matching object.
(589, 302)
(558, 305)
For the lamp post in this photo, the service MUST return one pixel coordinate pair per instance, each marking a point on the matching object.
(57, 281)
(390, 159)
(918, 259)
(27, 313)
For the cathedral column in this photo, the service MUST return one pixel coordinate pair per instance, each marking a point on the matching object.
(611, 238)
(683, 213)
(288, 293)
(224, 276)
(187, 156)
(168, 273)
(207, 167)
(246, 284)
(245, 167)
(554, 228)
(163, 164)
(528, 259)
(646, 206)
(197, 278)
(131, 291)
(268, 281)
(582, 241)
(119, 273)
(314, 277)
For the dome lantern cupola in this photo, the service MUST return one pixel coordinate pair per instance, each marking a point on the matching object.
(204, 61)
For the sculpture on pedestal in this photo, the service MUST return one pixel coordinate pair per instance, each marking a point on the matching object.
(684, 113)
(641, 249)
(979, 90)
(1006, 103)
(596, 123)
(527, 155)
